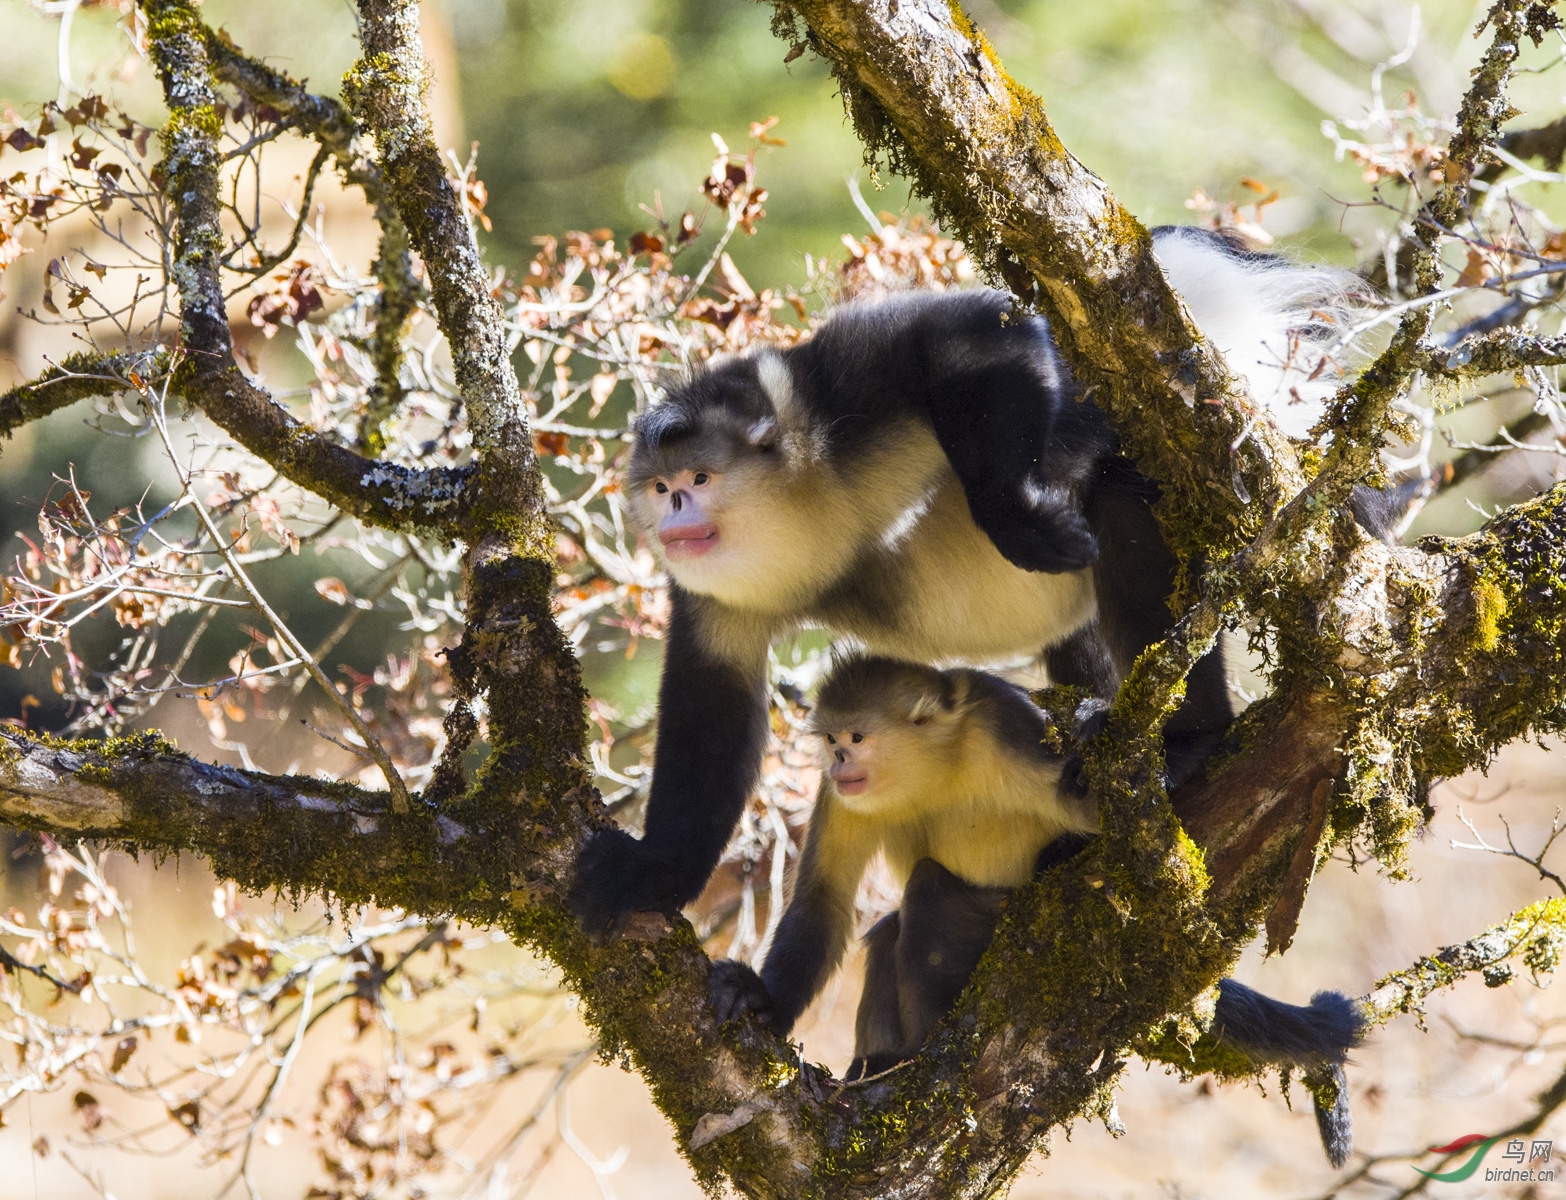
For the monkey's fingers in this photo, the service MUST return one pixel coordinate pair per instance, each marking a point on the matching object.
(734, 990)
(1051, 540)
(617, 877)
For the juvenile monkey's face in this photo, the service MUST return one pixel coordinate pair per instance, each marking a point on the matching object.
(851, 759)
(885, 761)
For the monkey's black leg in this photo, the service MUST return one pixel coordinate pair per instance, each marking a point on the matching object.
(1083, 660)
(1133, 579)
(947, 924)
(712, 726)
(878, 1029)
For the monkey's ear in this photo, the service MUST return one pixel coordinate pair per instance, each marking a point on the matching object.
(763, 435)
(924, 708)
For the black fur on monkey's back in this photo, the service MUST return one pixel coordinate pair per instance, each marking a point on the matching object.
(988, 379)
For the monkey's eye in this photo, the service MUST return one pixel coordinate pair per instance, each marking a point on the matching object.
(701, 478)
(831, 741)
(858, 737)
(661, 487)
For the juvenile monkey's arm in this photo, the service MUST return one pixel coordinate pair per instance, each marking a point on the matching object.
(712, 727)
(815, 927)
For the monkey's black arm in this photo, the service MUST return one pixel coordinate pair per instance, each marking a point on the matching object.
(712, 727)
(810, 936)
(806, 948)
(1019, 454)
(989, 382)
(805, 951)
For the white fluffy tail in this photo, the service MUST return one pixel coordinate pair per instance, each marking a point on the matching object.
(1283, 327)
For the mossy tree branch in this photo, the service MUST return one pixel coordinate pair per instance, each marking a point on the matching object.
(206, 374)
(924, 87)
(1535, 934)
(81, 376)
(332, 126)
(1079, 974)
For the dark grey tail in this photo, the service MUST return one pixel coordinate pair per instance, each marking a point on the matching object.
(1334, 1121)
(1316, 1038)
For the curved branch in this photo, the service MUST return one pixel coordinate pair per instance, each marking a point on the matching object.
(332, 127)
(322, 117)
(1536, 933)
(385, 90)
(208, 376)
(379, 493)
(923, 85)
(78, 377)
(265, 831)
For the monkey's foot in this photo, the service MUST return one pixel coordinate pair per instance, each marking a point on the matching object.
(734, 990)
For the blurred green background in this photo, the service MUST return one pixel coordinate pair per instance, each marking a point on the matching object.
(587, 109)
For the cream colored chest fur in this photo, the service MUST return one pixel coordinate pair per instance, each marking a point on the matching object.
(986, 825)
(890, 556)
(938, 591)
(985, 822)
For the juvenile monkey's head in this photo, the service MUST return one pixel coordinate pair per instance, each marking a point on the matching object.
(889, 730)
(720, 481)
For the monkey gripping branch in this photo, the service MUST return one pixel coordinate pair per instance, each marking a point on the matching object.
(1396, 666)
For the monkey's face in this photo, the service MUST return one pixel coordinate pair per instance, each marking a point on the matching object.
(732, 516)
(684, 507)
(851, 759)
(887, 761)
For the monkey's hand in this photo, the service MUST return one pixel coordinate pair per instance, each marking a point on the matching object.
(1092, 718)
(616, 876)
(1039, 530)
(735, 990)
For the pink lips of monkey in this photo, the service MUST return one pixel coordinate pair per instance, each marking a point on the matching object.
(848, 779)
(688, 540)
